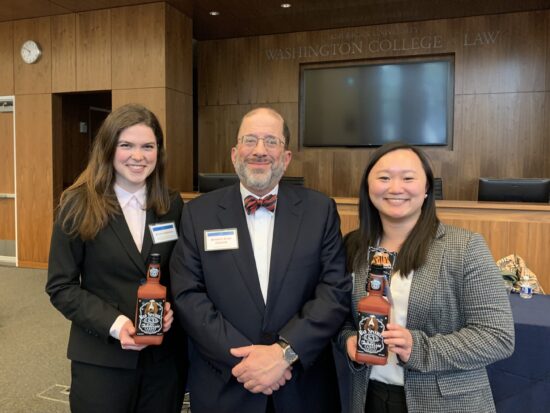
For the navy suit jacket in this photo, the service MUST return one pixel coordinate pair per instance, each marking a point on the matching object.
(93, 282)
(218, 298)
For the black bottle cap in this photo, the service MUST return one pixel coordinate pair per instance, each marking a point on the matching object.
(154, 258)
(377, 269)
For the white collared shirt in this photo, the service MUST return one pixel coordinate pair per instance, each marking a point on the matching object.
(260, 227)
(133, 208)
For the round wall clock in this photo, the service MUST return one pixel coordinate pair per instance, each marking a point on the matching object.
(31, 51)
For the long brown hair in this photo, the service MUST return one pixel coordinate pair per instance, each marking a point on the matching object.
(86, 206)
(413, 251)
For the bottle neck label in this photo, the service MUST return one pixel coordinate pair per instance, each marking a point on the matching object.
(375, 284)
(153, 273)
(150, 313)
(369, 334)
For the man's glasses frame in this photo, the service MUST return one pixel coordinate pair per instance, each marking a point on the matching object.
(270, 142)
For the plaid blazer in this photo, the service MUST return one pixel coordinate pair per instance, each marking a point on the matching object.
(460, 319)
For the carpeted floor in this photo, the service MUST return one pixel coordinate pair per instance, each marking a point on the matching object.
(34, 370)
(33, 338)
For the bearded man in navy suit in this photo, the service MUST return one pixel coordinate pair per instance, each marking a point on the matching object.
(259, 284)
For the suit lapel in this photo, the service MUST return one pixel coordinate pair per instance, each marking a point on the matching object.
(147, 240)
(288, 217)
(231, 215)
(121, 230)
(424, 283)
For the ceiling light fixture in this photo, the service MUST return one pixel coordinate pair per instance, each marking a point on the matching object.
(214, 13)
(286, 5)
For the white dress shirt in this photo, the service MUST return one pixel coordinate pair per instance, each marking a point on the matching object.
(133, 208)
(260, 227)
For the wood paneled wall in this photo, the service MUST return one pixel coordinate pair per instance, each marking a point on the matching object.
(34, 174)
(6, 60)
(140, 53)
(93, 51)
(501, 107)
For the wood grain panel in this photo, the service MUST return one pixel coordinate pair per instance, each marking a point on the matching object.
(498, 131)
(228, 72)
(7, 183)
(505, 53)
(179, 51)
(6, 62)
(279, 78)
(139, 46)
(58, 158)
(33, 118)
(7, 223)
(37, 77)
(154, 99)
(544, 148)
(501, 131)
(251, 17)
(93, 50)
(64, 53)
(179, 140)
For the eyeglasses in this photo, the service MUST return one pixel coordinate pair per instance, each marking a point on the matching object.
(270, 142)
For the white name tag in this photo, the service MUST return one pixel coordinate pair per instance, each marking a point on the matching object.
(221, 239)
(163, 232)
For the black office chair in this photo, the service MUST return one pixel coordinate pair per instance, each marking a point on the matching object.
(438, 188)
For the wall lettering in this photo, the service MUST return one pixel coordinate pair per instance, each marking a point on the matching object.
(412, 43)
(481, 38)
(324, 50)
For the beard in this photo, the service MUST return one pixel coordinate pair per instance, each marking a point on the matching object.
(260, 180)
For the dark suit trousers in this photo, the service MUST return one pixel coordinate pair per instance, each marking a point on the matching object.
(154, 386)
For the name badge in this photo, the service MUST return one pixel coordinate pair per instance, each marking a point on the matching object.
(221, 239)
(163, 232)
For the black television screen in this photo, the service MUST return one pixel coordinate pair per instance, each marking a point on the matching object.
(514, 190)
(375, 103)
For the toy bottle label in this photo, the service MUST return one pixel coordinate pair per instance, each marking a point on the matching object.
(150, 312)
(369, 334)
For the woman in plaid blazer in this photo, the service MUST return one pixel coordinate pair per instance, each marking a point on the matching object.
(450, 313)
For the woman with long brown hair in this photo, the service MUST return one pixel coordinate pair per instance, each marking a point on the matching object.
(100, 244)
(450, 315)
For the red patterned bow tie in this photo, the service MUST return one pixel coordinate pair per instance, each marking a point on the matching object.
(251, 203)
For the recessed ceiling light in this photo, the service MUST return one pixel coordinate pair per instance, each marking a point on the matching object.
(286, 5)
(214, 13)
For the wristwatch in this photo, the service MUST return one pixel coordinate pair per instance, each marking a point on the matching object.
(289, 354)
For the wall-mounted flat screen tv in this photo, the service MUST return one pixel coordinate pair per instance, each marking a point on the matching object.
(372, 103)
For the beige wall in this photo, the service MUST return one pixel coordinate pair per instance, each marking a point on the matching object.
(141, 53)
(501, 102)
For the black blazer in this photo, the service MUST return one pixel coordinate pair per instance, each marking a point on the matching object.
(92, 282)
(218, 298)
